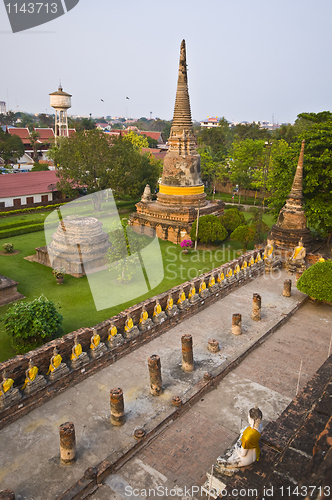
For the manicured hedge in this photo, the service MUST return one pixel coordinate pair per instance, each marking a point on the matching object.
(32, 209)
(7, 233)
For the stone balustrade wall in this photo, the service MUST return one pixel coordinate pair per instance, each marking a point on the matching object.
(17, 366)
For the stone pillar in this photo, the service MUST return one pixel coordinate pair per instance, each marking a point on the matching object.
(256, 307)
(287, 291)
(7, 495)
(187, 353)
(236, 324)
(213, 345)
(155, 375)
(67, 442)
(117, 407)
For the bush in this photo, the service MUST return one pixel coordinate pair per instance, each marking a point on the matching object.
(244, 234)
(317, 281)
(232, 219)
(210, 229)
(7, 233)
(8, 247)
(31, 324)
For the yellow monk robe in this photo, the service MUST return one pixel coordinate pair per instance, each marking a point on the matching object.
(182, 298)
(144, 316)
(170, 303)
(202, 286)
(245, 264)
(32, 374)
(77, 351)
(212, 281)
(95, 341)
(237, 269)
(7, 385)
(297, 251)
(55, 364)
(157, 310)
(220, 277)
(250, 439)
(229, 273)
(129, 325)
(256, 260)
(192, 292)
(252, 261)
(259, 257)
(113, 332)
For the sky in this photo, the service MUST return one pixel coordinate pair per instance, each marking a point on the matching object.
(248, 60)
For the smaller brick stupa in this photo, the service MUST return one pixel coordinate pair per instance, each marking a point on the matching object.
(291, 226)
(79, 245)
(181, 190)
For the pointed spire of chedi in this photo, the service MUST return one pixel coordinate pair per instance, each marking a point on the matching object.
(181, 180)
(182, 114)
(292, 222)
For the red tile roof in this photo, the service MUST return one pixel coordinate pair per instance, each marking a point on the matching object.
(45, 133)
(28, 183)
(71, 131)
(23, 133)
(153, 135)
(159, 155)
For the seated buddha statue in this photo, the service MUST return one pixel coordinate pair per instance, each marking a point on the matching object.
(193, 295)
(171, 308)
(183, 302)
(237, 271)
(213, 286)
(246, 450)
(97, 348)
(8, 393)
(114, 338)
(56, 369)
(33, 381)
(252, 262)
(203, 290)
(270, 260)
(130, 330)
(145, 322)
(78, 357)
(221, 278)
(158, 314)
(230, 275)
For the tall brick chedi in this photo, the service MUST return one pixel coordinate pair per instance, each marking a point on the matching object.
(181, 190)
(291, 225)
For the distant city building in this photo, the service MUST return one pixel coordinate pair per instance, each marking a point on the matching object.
(2, 107)
(210, 122)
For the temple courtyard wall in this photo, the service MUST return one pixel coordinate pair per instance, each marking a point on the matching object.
(260, 366)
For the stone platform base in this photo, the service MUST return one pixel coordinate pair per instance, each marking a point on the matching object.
(133, 333)
(115, 341)
(160, 318)
(204, 293)
(172, 312)
(184, 305)
(58, 373)
(146, 325)
(11, 398)
(80, 361)
(8, 291)
(98, 351)
(35, 385)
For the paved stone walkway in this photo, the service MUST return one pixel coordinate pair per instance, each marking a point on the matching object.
(29, 448)
(184, 452)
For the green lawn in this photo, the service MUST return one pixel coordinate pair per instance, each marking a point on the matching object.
(74, 298)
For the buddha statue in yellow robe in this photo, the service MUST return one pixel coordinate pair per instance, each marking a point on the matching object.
(33, 381)
(55, 363)
(78, 357)
(299, 254)
(203, 290)
(30, 374)
(114, 338)
(171, 308)
(130, 330)
(145, 322)
(158, 314)
(193, 295)
(95, 339)
(8, 393)
(56, 368)
(183, 302)
(6, 385)
(246, 450)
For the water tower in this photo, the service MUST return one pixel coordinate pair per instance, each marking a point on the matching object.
(61, 101)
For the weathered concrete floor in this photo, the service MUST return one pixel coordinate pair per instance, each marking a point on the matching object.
(29, 448)
(181, 455)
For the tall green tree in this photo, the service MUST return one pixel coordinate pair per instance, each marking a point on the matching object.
(11, 147)
(95, 161)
